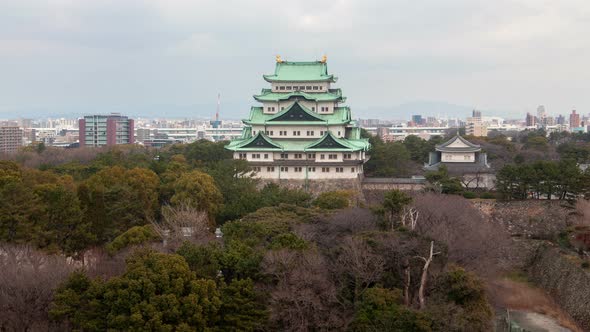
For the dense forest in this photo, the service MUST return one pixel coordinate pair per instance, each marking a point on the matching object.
(124, 238)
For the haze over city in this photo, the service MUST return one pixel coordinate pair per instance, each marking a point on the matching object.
(395, 58)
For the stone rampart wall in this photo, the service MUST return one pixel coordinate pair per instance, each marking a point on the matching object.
(316, 187)
(537, 219)
(565, 280)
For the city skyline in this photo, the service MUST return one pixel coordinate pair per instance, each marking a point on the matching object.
(66, 57)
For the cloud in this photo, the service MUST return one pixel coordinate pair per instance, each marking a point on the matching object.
(506, 54)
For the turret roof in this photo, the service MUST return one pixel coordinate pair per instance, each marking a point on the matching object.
(328, 142)
(331, 95)
(341, 115)
(291, 71)
(458, 144)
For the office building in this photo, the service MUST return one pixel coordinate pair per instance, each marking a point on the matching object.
(11, 139)
(101, 130)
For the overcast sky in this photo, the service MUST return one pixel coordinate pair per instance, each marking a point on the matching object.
(60, 56)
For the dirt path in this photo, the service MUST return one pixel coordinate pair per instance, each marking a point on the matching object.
(536, 311)
(534, 322)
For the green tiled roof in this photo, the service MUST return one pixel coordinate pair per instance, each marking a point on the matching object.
(333, 143)
(296, 113)
(331, 95)
(328, 142)
(258, 142)
(289, 71)
(341, 115)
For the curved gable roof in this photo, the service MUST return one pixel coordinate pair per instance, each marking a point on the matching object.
(330, 95)
(458, 144)
(260, 141)
(296, 112)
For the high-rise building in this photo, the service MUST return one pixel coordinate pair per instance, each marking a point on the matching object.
(541, 113)
(143, 134)
(549, 121)
(574, 120)
(100, 130)
(474, 125)
(531, 120)
(302, 131)
(560, 120)
(11, 139)
(418, 120)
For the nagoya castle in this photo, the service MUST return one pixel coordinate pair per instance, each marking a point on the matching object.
(302, 130)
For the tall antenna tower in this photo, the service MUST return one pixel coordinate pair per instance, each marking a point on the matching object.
(218, 106)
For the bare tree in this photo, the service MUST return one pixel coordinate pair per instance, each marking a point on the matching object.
(329, 231)
(303, 296)
(473, 240)
(357, 260)
(410, 217)
(99, 263)
(183, 223)
(407, 282)
(28, 279)
(423, 278)
(472, 181)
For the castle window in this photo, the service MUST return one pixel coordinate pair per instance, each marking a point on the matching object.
(298, 169)
(308, 87)
(332, 156)
(313, 108)
(301, 88)
(270, 169)
(339, 133)
(315, 87)
(347, 156)
(311, 156)
(322, 156)
(297, 156)
(256, 169)
(311, 169)
(266, 156)
(284, 156)
(284, 169)
(352, 170)
(242, 156)
(339, 169)
(325, 169)
(289, 88)
(281, 88)
(321, 87)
